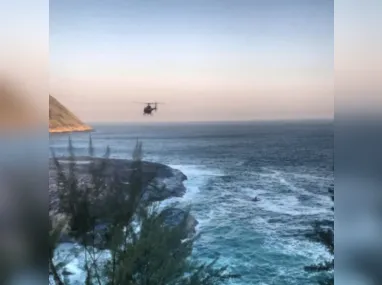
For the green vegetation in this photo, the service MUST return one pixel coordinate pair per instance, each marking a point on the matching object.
(159, 253)
(127, 240)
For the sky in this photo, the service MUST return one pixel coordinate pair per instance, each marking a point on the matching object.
(206, 60)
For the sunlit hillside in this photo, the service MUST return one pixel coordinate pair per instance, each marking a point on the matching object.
(62, 120)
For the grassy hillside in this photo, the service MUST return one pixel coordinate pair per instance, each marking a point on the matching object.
(62, 120)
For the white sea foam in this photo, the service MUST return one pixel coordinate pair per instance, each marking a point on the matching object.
(287, 202)
(248, 234)
(311, 251)
(289, 205)
(280, 203)
(73, 255)
(197, 177)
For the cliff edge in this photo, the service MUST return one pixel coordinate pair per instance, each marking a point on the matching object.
(160, 182)
(168, 181)
(61, 120)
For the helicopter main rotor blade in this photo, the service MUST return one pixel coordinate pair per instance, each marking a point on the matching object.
(148, 102)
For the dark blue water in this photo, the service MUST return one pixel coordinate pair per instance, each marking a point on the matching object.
(287, 165)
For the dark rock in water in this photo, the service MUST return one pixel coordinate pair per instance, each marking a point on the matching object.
(98, 238)
(256, 199)
(174, 216)
(168, 183)
(66, 238)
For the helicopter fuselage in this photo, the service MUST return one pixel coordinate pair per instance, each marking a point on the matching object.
(148, 110)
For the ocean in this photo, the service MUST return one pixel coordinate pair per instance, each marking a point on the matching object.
(287, 165)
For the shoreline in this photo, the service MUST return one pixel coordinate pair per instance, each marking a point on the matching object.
(61, 130)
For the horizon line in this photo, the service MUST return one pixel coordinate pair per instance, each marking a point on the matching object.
(214, 121)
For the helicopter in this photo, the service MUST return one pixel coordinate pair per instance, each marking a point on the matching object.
(150, 107)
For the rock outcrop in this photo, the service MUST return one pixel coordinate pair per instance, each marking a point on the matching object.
(160, 182)
(174, 216)
(168, 181)
(61, 120)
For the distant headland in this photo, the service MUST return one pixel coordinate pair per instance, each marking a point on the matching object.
(61, 120)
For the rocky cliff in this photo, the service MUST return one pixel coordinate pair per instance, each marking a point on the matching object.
(168, 183)
(61, 120)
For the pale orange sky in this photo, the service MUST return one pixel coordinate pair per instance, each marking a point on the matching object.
(208, 101)
(206, 62)
(301, 86)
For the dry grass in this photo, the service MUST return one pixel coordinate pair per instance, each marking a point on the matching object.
(62, 120)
